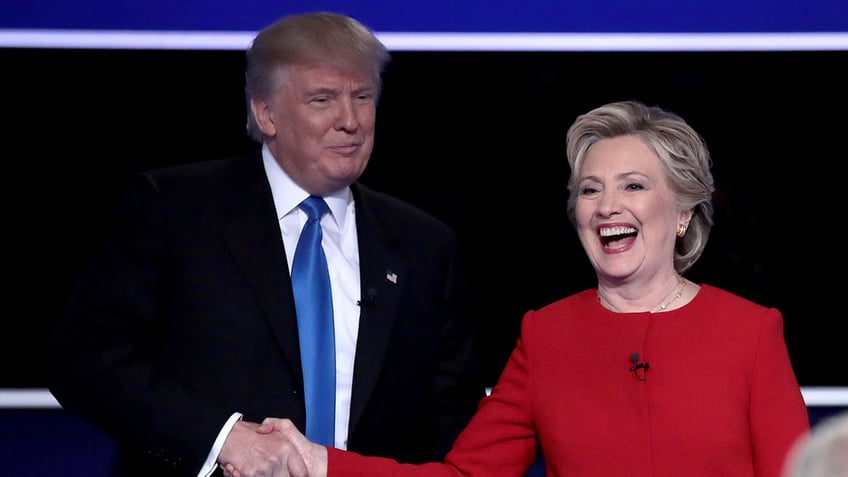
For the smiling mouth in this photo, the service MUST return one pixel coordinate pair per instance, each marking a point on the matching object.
(346, 149)
(611, 235)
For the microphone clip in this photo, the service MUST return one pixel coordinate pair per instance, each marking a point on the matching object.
(369, 301)
(637, 365)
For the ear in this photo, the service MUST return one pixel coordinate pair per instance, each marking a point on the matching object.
(264, 117)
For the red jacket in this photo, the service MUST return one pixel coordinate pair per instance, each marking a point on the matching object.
(719, 398)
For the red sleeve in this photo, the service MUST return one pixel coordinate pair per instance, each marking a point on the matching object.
(499, 440)
(778, 412)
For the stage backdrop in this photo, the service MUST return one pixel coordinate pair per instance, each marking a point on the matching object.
(471, 126)
(724, 16)
(415, 25)
(478, 97)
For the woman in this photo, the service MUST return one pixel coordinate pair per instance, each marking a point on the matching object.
(649, 374)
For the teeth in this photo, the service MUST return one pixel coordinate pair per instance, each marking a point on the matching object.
(618, 230)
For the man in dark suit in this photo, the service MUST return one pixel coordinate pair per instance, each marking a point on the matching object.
(182, 334)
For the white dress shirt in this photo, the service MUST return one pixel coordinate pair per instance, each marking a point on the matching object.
(342, 251)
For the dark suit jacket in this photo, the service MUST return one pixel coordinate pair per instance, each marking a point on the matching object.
(187, 315)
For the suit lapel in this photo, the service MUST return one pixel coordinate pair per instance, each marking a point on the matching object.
(382, 274)
(251, 230)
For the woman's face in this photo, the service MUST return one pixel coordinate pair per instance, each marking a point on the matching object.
(625, 212)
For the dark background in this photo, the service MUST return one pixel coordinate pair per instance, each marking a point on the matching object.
(477, 139)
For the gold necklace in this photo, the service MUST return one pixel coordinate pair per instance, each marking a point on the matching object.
(677, 295)
(660, 307)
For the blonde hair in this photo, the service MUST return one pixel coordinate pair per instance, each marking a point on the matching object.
(823, 452)
(683, 155)
(319, 38)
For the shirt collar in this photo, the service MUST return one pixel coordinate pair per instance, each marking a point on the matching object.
(288, 194)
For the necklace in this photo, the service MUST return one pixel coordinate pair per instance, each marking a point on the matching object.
(661, 307)
(677, 295)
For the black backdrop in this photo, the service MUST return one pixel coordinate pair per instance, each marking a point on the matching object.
(473, 138)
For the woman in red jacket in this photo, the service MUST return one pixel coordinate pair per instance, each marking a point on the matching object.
(647, 375)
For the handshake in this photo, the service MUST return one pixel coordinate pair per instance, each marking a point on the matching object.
(274, 448)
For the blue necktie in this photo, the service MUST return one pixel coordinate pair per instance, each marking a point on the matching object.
(313, 300)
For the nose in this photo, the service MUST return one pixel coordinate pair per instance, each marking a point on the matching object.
(609, 203)
(347, 119)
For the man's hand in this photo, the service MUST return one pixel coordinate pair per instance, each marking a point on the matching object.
(314, 456)
(247, 452)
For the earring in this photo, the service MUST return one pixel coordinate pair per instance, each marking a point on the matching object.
(681, 230)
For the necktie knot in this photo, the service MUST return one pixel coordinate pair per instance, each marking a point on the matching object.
(314, 207)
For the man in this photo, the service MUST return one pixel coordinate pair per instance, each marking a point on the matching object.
(183, 334)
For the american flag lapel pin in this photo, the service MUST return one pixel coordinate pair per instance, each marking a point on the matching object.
(391, 276)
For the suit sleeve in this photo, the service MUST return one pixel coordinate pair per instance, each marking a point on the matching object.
(97, 362)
